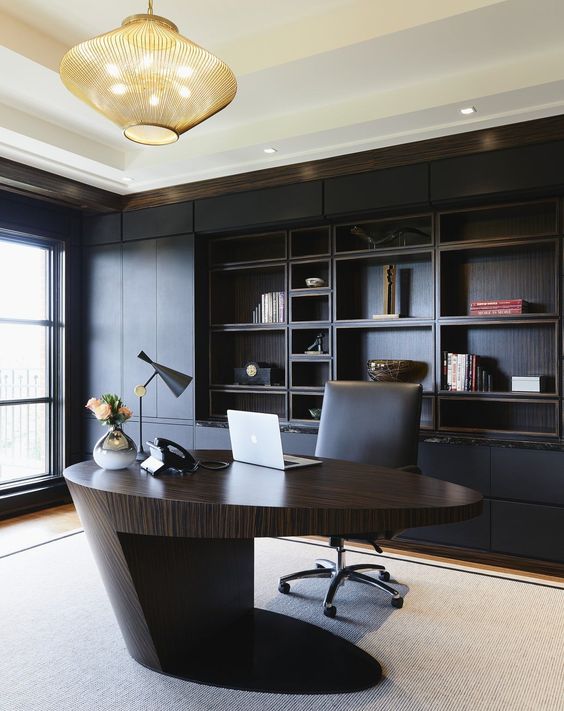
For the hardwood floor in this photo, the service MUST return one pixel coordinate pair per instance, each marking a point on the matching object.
(35, 528)
(41, 526)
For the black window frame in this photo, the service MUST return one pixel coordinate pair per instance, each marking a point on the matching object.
(55, 396)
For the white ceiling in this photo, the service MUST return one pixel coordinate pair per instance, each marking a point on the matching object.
(317, 78)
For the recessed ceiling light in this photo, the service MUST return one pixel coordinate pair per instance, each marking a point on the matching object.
(127, 179)
(270, 150)
(467, 110)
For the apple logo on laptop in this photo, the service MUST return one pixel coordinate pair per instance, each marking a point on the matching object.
(254, 439)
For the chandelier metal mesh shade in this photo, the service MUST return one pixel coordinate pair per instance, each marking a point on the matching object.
(148, 79)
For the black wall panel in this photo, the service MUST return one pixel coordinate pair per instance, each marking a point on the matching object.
(101, 229)
(139, 321)
(158, 221)
(259, 207)
(525, 168)
(175, 322)
(380, 189)
(102, 321)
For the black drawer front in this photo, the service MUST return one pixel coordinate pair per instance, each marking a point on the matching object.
(406, 185)
(259, 207)
(161, 221)
(101, 229)
(474, 533)
(525, 168)
(528, 530)
(464, 465)
(528, 475)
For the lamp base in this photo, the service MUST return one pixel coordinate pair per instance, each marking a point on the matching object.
(141, 455)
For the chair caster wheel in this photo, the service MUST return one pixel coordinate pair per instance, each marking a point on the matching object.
(330, 611)
(397, 602)
(384, 575)
(284, 588)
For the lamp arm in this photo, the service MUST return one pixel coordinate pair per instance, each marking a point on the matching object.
(141, 454)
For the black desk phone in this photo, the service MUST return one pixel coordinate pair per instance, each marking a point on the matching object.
(167, 457)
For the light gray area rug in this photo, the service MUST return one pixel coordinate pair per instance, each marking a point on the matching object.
(461, 642)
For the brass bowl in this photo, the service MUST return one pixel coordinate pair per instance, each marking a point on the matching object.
(384, 370)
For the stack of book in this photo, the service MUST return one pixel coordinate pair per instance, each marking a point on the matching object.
(499, 307)
(272, 308)
(463, 372)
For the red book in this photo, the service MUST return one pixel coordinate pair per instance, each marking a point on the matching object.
(510, 311)
(495, 303)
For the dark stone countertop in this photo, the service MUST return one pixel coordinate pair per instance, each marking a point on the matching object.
(427, 437)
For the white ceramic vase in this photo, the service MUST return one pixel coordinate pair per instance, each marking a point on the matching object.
(115, 450)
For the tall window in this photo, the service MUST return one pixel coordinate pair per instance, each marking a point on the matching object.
(30, 360)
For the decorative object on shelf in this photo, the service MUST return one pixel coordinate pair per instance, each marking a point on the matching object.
(315, 282)
(114, 450)
(499, 307)
(316, 347)
(315, 413)
(398, 234)
(386, 370)
(148, 79)
(527, 383)
(253, 373)
(389, 299)
(176, 382)
(272, 308)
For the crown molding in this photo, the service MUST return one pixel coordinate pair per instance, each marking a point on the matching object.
(39, 183)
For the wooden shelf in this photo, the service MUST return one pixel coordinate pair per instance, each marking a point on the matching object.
(402, 232)
(479, 253)
(507, 221)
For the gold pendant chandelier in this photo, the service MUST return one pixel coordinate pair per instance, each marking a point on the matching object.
(148, 79)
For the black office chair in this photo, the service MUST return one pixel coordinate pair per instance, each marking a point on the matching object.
(370, 423)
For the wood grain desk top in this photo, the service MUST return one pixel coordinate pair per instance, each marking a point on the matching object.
(247, 501)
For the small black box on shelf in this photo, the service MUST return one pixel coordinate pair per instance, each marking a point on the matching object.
(258, 375)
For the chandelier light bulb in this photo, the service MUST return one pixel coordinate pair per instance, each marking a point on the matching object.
(156, 69)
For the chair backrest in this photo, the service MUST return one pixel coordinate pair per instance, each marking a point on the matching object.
(370, 423)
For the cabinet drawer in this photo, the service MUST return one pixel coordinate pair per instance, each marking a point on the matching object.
(474, 533)
(464, 465)
(528, 475)
(528, 530)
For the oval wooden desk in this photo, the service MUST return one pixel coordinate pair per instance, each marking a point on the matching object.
(177, 559)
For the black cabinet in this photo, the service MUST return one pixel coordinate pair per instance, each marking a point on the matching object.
(474, 533)
(102, 321)
(528, 475)
(465, 465)
(528, 530)
(174, 219)
(527, 168)
(380, 189)
(259, 207)
(101, 229)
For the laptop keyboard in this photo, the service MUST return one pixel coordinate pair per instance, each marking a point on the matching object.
(287, 462)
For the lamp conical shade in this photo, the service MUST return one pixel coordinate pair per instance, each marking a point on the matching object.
(176, 381)
(148, 79)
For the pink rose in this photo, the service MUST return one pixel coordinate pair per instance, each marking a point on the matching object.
(125, 411)
(93, 403)
(103, 411)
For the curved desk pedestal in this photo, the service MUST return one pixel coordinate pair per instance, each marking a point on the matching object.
(177, 560)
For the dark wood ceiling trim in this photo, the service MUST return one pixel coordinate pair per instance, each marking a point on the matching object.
(526, 132)
(27, 180)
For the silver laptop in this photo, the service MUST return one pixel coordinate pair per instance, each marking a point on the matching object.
(255, 439)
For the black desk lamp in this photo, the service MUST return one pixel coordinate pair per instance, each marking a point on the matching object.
(176, 382)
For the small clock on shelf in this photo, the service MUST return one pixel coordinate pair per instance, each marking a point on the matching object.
(253, 373)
